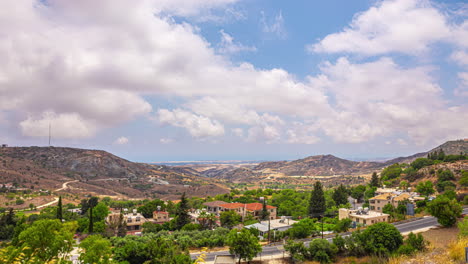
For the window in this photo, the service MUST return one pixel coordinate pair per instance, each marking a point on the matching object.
(129, 220)
(138, 219)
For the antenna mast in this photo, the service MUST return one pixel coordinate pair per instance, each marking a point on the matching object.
(49, 134)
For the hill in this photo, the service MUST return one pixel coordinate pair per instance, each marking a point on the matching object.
(98, 172)
(323, 166)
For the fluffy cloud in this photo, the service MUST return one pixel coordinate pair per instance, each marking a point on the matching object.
(406, 26)
(381, 98)
(109, 56)
(121, 141)
(64, 125)
(197, 126)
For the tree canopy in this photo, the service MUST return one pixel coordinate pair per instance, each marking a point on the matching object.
(317, 204)
(243, 244)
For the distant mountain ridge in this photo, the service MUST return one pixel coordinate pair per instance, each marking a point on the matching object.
(323, 165)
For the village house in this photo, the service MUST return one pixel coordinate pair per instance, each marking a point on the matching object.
(362, 216)
(236, 207)
(160, 217)
(377, 203)
(255, 209)
(213, 207)
(134, 220)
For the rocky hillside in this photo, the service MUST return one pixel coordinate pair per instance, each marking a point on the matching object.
(84, 163)
(453, 147)
(98, 172)
(320, 166)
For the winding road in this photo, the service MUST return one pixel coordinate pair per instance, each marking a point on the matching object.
(278, 250)
(65, 185)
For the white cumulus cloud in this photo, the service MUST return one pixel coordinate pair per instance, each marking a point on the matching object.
(406, 26)
(197, 126)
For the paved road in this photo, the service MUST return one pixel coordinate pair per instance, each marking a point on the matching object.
(279, 250)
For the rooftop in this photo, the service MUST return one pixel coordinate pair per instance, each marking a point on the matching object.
(214, 203)
(384, 196)
(257, 206)
(370, 214)
(402, 197)
(232, 205)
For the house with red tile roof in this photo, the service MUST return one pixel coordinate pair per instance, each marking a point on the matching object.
(236, 207)
(255, 209)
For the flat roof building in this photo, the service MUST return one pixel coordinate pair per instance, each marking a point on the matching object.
(362, 216)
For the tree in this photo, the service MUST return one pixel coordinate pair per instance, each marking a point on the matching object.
(182, 215)
(343, 225)
(420, 163)
(404, 185)
(425, 188)
(47, 239)
(464, 179)
(243, 244)
(147, 209)
(321, 250)
(340, 195)
(264, 214)
(382, 238)
(358, 192)
(446, 175)
(445, 210)
(391, 172)
(302, 229)
(96, 250)
(229, 219)
(149, 249)
(92, 202)
(100, 212)
(122, 226)
(317, 201)
(296, 250)
(374, 180)
(7, 224)
(59, 209)
(463, 227)
(388, 209)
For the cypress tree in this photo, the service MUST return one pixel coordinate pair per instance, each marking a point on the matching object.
(340, 195)
(317, 201)
(265, 214)
(375, 180)
(182, 216)
(59, 209)
(92, 202)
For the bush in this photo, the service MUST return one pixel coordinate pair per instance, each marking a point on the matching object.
(382, 238)
(420, 163)
(19, 201)
(302, 229)
(445, 210)
(321, 250)
(446, 175)
(406, 250)
(416, 241)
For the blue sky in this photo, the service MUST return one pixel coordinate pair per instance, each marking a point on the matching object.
(162, 80)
